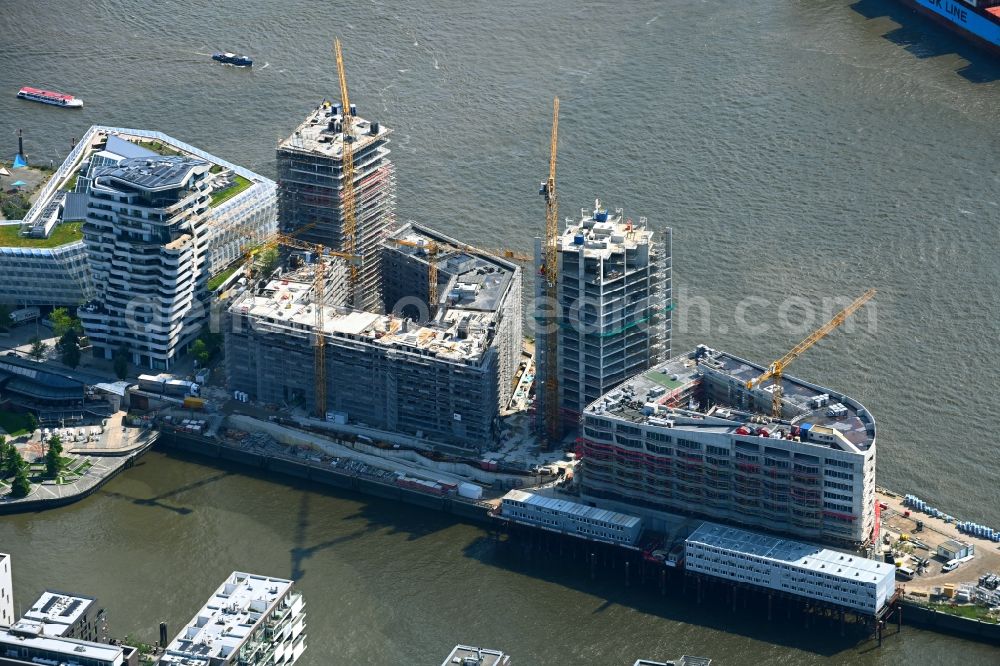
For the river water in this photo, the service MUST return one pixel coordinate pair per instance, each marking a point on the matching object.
(802, 151)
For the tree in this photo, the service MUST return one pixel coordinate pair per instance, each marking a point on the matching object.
(63, 322)
(268, 261)
(12, 461)
(55, 443)
(52, 463)
(69, 348)
(200, 352)
(212, 342)
(21, 486)
(32, 421)
(38, 348)
(5, 321)
(3, 450)
(121, 362)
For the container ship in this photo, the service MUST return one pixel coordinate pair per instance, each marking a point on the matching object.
(976, 20)
(49, 97)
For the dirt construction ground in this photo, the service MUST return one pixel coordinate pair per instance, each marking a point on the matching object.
(936, 531)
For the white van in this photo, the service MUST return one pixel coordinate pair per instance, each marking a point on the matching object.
(905, 573)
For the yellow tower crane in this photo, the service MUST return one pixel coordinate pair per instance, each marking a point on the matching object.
(319, 288)
(347, 160)
(553, 426)
(777, 368)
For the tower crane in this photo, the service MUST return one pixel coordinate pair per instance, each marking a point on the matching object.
(777, 368)
(347, 160)
(319, 287)
(551, 270)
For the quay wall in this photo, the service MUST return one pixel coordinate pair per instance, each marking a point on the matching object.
(30, 504)
(313, 472)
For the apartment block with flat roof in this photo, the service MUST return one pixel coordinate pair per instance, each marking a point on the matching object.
(612, 318)
(311, 189)
(46, 260)
(688, 436)
(250, 620)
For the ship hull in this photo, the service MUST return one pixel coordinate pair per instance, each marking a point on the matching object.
(71, 104)
(962, 20)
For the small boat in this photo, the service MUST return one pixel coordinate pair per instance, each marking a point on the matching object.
(229, 58)
(49, 97)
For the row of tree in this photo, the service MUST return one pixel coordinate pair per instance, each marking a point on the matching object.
(13, 465)
(69, 330)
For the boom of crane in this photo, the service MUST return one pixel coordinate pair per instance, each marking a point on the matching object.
(319, 289)
(777, 368)
(347, 161)
(553, 423)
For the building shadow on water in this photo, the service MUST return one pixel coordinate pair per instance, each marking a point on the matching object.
(158, 500)
(744, 613)
(923, 38)
(379, 514)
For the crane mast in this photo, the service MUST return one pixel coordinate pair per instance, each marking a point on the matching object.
(347, 160)
(777, 368)
(551, 267)
(319, 287)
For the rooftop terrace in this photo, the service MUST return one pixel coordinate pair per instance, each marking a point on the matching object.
(687, 393)
(601, 233)
(56, 608)
(111, 143)
(227, 620)
(321, 132)
(287, 304)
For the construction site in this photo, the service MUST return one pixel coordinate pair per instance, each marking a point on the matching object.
(337, 188)
(407, 330)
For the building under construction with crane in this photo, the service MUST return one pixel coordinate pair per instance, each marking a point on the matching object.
(442, 376)
(698, 435)
(336, 187)
(603, 302)
(613, 294)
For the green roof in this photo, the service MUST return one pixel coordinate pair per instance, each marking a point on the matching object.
(663, 380)
(65, 233)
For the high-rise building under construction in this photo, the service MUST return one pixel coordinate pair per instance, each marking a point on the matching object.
(612, 315)
(311, 188)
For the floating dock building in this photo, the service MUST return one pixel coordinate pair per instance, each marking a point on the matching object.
(570, 518)
(250, 619)
(613, 316)
(443, 380)
(311, 184)
(818, 574)
(688, 437)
